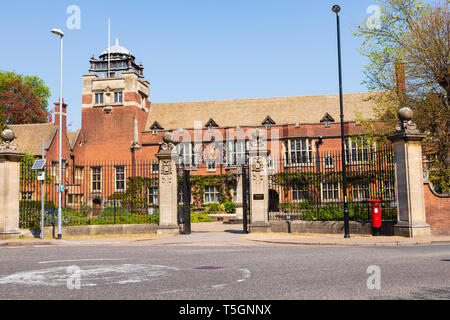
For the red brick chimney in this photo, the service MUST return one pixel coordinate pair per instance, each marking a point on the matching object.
(401, 81)
(64, 116)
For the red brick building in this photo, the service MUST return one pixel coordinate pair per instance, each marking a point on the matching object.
(119, 123)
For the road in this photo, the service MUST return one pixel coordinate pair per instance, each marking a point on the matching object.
(183, 271)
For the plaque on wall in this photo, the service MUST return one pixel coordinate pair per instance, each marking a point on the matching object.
(258, 196)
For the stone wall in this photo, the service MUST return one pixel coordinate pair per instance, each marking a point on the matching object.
(437, 208)
(329, 227)
(96, 230)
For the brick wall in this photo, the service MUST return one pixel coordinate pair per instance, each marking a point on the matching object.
(437, 210)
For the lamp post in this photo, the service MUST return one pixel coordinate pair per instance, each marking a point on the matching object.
(59, 33)
(336, 9)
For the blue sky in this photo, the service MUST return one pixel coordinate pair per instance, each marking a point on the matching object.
(191, 50)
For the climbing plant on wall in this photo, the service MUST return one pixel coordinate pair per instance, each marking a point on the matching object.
(224, 182)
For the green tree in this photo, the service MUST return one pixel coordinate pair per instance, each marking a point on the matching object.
(23, 99)
(409, 62)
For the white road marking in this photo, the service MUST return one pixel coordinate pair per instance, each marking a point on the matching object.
(246, 273)
(78, 260)
(91, 275)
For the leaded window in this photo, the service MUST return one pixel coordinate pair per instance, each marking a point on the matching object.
(153, 196)
(212, 194)
(96, 178)
(360, 191)
(187, 153)
(299, 151)
(358, 150)
(300, 193)
(119, 177)
(236, 152)
(118, 97)
(330, 192)
(99, 98)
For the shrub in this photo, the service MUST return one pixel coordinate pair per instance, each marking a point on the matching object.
(200, 217)
(213, 208)
(36, 205)
(111, 212)
(230, 207)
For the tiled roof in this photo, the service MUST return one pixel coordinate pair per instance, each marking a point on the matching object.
(29, 136)
(252, 112)
(72, 137)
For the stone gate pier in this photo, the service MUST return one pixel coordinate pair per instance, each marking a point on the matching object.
(9, 186)
(409, 178)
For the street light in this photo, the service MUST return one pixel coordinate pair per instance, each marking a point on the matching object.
(336, 9)
(59, 33)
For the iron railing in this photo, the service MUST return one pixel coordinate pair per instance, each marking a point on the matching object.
(310, 188)
(96, 192)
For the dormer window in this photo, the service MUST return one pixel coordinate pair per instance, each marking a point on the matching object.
(268, 122)
(327, 119)
(155, 127)
(99, 98)
(211, 124)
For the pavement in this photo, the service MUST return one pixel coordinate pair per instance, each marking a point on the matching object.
(220, 234)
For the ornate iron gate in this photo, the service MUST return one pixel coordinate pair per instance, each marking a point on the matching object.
(184, 200)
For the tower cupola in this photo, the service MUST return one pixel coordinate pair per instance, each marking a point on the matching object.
(120, 60)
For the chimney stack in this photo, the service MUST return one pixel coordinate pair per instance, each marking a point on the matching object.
(64, 115)
(401, 81)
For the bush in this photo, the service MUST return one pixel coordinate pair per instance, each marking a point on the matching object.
(200, 217)
(230, 207)
(36, 205)
(356, 212)
(111, 212)
(213, 208)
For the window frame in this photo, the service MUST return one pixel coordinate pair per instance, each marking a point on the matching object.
(236, 152)
(153, 194)
(118, 97)
(301, 153)
(79, 172)
(191, 154)
(214, 192)
(99, 98)
(362, 191)
(295, 192)
(335, 191)
(123, 180)
(28, 197)
(94, 174)
(75, 196)
(390, 188)
(358, 152)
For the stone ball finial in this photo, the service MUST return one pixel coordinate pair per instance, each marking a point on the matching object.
(168, 137)
(405, 114)
(8, 135)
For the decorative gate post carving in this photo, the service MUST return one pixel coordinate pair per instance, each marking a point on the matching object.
(409, 178)
(9, 186)
(168, 188)
(259, 184)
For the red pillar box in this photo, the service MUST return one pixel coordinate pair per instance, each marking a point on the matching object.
(376, 217)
